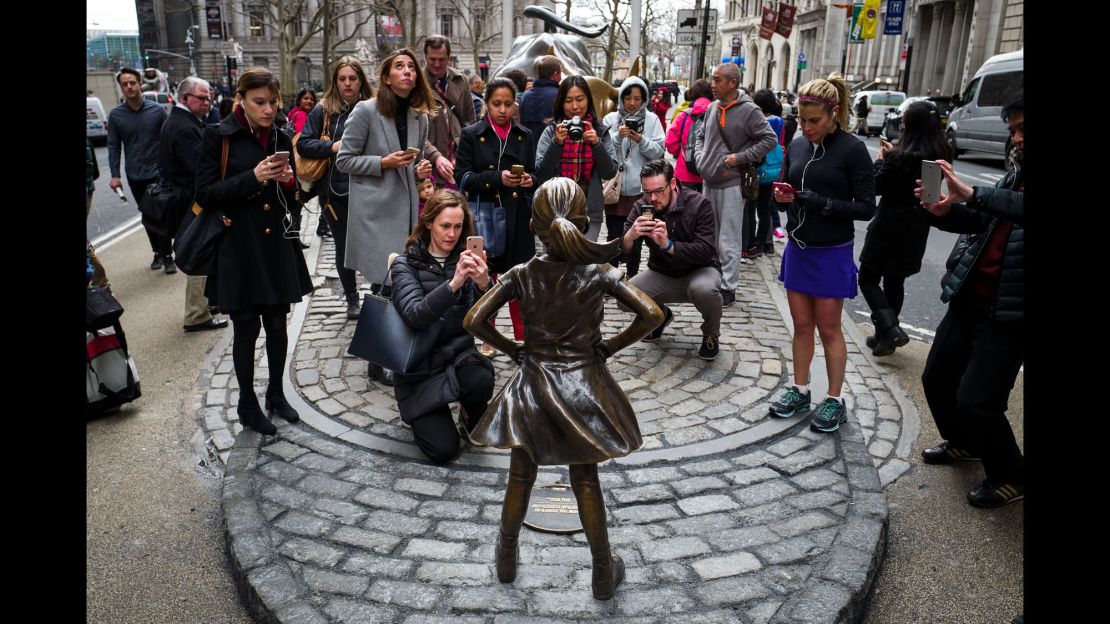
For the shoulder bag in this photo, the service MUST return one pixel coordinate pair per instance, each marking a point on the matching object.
(162, 208)
(194, 249)
(611, 188)
(383, 337)
(490, 220)
(101, 308)
(312, 169)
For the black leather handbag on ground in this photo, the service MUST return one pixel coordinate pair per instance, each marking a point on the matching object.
(194, 249)
(384, 338)
(162, 208)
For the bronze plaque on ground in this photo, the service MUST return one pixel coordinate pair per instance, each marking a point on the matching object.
(553, 509)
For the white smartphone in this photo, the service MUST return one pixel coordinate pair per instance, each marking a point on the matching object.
(930, 181)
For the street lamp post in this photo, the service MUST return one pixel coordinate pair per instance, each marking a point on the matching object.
(189, 42)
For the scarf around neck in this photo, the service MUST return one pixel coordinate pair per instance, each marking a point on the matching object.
(578, 158)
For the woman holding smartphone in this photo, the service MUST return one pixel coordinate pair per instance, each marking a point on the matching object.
(439, 278)
(349, 86)
(586, 156)
(489, 152)
(896, 237)
(259, 267)
(828, 185)
(379, 151)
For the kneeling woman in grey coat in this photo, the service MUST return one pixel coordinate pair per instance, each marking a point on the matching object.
(438, 278)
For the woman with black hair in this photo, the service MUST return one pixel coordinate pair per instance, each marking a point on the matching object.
(587, 156)
(897, 235)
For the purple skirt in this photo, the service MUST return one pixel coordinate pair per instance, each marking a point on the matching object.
(820, 271)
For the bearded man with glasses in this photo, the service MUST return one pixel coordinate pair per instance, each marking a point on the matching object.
(679, 228)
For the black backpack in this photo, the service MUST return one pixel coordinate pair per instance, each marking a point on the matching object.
(692, 140)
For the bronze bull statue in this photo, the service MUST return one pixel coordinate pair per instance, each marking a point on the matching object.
(569, 49)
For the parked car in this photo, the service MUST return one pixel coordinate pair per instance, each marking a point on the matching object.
(96, 122)
(165, 100)
(882, 102)
(976, 125)
(892, 125)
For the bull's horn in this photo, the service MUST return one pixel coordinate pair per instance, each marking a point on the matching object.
(548, 16)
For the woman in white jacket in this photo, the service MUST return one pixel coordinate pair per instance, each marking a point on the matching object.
(638, 136)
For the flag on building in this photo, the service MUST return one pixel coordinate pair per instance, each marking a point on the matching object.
(786, 19)
(870, 18)
(855, 34)
(767, 26)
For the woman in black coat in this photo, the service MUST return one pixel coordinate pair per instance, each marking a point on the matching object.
(349, 86)
(488, 149)
(438, 278)
(897, 235)
(259, 268)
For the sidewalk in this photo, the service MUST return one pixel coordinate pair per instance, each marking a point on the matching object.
(724, 515)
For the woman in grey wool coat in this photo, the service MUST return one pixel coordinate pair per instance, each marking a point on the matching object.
(383, 197)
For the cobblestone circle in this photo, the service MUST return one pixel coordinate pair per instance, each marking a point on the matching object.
(724, 515)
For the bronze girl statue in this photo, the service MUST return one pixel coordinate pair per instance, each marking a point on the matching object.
(562, 406)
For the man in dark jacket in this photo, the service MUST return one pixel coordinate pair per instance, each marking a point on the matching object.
(980, 345)
(680, 231)
(456, 109)
(537, 105)
(134, 125)
(178, 150)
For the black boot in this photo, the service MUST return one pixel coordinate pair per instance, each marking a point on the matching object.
(251, 415)
(275, 402)
(890, 334)
(871, 340)
(353, 306)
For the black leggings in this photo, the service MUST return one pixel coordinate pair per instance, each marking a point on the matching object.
(892, 293)
(753, 236)
(245, 336)
(339, 236)
(435, 431)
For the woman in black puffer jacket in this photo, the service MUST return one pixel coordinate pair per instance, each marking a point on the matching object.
(437, 277)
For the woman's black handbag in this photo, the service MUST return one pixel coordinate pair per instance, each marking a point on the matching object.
(194, 249)
(490, 221)
(383, 337)
(162, 208)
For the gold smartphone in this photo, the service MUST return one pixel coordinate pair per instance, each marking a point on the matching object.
(518, 170)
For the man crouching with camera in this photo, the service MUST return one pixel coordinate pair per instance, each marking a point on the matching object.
(678, 228)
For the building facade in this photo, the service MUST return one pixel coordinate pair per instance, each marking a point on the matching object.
(107, 50)
(248, 30)
(942, 44)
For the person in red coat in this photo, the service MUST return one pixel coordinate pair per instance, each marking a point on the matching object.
(661, 103)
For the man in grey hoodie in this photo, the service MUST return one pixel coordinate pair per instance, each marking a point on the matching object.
(735, 134)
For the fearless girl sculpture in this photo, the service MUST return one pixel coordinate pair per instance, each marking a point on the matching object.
(561, 406)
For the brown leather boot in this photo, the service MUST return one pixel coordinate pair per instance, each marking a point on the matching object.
(507, 553)
(608, 573)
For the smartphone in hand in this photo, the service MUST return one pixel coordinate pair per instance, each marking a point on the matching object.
(784, 187)
(475, 244)
(412, 150)
(517, 170)
(930, 181)
(281, 156)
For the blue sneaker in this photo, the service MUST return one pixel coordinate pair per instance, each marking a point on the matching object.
(830, 414)
(791, 402)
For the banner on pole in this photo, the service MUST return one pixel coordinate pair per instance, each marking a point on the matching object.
(786, 19)
(767, 26)
(870, 18)
(894, 11)
(856, 33)
(212, 17)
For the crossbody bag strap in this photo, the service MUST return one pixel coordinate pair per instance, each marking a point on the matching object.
(223, 159)
(325, 134)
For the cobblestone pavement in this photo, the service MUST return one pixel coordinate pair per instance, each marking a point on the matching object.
(724, 515)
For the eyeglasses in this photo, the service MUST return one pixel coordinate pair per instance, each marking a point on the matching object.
(658, 191)
(201, 98)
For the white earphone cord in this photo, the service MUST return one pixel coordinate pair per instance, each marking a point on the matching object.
(793, 233)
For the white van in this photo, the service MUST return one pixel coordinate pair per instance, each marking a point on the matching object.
(976, 124)
(96, 122)
(882, 102)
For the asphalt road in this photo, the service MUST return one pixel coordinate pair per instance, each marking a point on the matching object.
(108, 213)
(154, 540)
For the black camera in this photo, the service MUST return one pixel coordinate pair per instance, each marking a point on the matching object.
(634, 124)
(575, 128)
